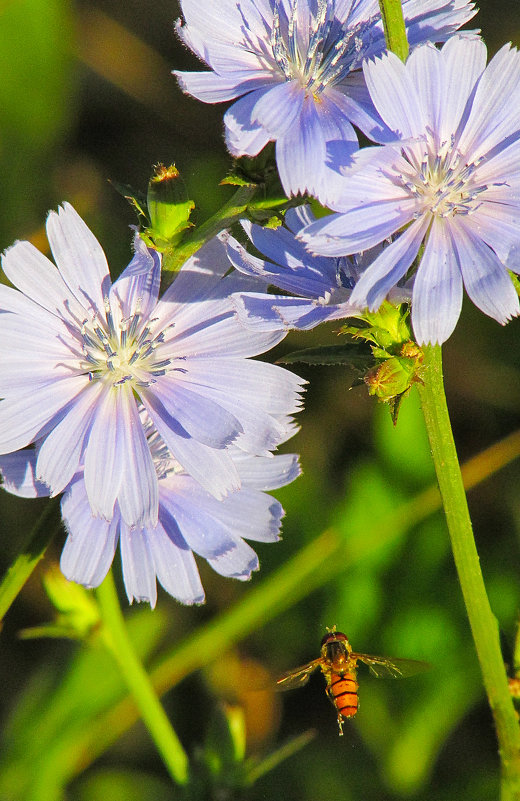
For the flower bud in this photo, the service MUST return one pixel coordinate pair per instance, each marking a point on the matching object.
(169, 208)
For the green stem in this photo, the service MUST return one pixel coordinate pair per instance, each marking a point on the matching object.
(271, 761)
(394, 27)
(230, 212)
(516, 653)
(24, 564)
(483, 623)
(116, 639)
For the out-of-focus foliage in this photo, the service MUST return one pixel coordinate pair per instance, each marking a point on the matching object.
(86, 95)
(37, 101)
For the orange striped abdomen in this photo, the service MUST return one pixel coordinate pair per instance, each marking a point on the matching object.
(342, 692)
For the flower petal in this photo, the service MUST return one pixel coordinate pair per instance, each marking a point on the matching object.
(463, 60)
(138, 565)
(79, 256)
(138, 285)
(495, 106)
(295, 271)
(193, 512)
(279, 109)
(212, 88)
(389, 267)
(395, 95)
(213, 469)
(33, 274)
(91, 543)
(138, 492)
(103, 458)
(437, 292)
(61, 450)
(175, 566)
(252, 383)
(355, 231)
(303, 151)
(251, 514)
(202, 418)
(244, 136)
(279, 312)
(267, 474)
(23, 416)
(238, 563)
(486, 280)
(18, 474)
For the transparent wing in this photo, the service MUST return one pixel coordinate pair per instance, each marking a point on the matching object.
(384, 668)
(297, 677)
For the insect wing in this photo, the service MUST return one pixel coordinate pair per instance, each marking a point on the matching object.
(384, 668)
(297, 677)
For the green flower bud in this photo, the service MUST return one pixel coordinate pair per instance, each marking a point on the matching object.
(169, 208)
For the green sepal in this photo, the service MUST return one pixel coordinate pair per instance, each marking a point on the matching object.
(387, 329)
(260, 169)
(393, 377)
(516, 282)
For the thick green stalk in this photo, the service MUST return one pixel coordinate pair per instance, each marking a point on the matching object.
(482, 621)
(394, 27)
(116, 639)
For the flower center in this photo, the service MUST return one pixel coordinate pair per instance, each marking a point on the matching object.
(120, 353)
(441, 180)
(318, 51)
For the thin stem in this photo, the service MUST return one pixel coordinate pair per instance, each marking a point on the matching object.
(483, 623)
(116, 639)
(271, 761)
(230, 213)
(394, 27)
(24, 564)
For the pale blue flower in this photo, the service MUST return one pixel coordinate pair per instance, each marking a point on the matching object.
(80, 354)
(295, 67)
(322, 284)
(450, 182)
(190, 521)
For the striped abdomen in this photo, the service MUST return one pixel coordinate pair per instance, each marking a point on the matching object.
(342, 692)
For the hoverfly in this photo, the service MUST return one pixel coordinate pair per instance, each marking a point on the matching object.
(338, 663)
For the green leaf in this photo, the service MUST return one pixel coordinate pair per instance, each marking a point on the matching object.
(354, 355)
(37, 767)
(236, 180)
(78, 615)
(136, 198)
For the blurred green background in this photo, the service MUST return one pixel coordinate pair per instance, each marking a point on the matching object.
(86, 95)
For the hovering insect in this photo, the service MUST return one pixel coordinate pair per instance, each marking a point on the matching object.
(338, 663)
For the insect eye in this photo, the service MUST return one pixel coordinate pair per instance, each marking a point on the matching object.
(333, 636)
